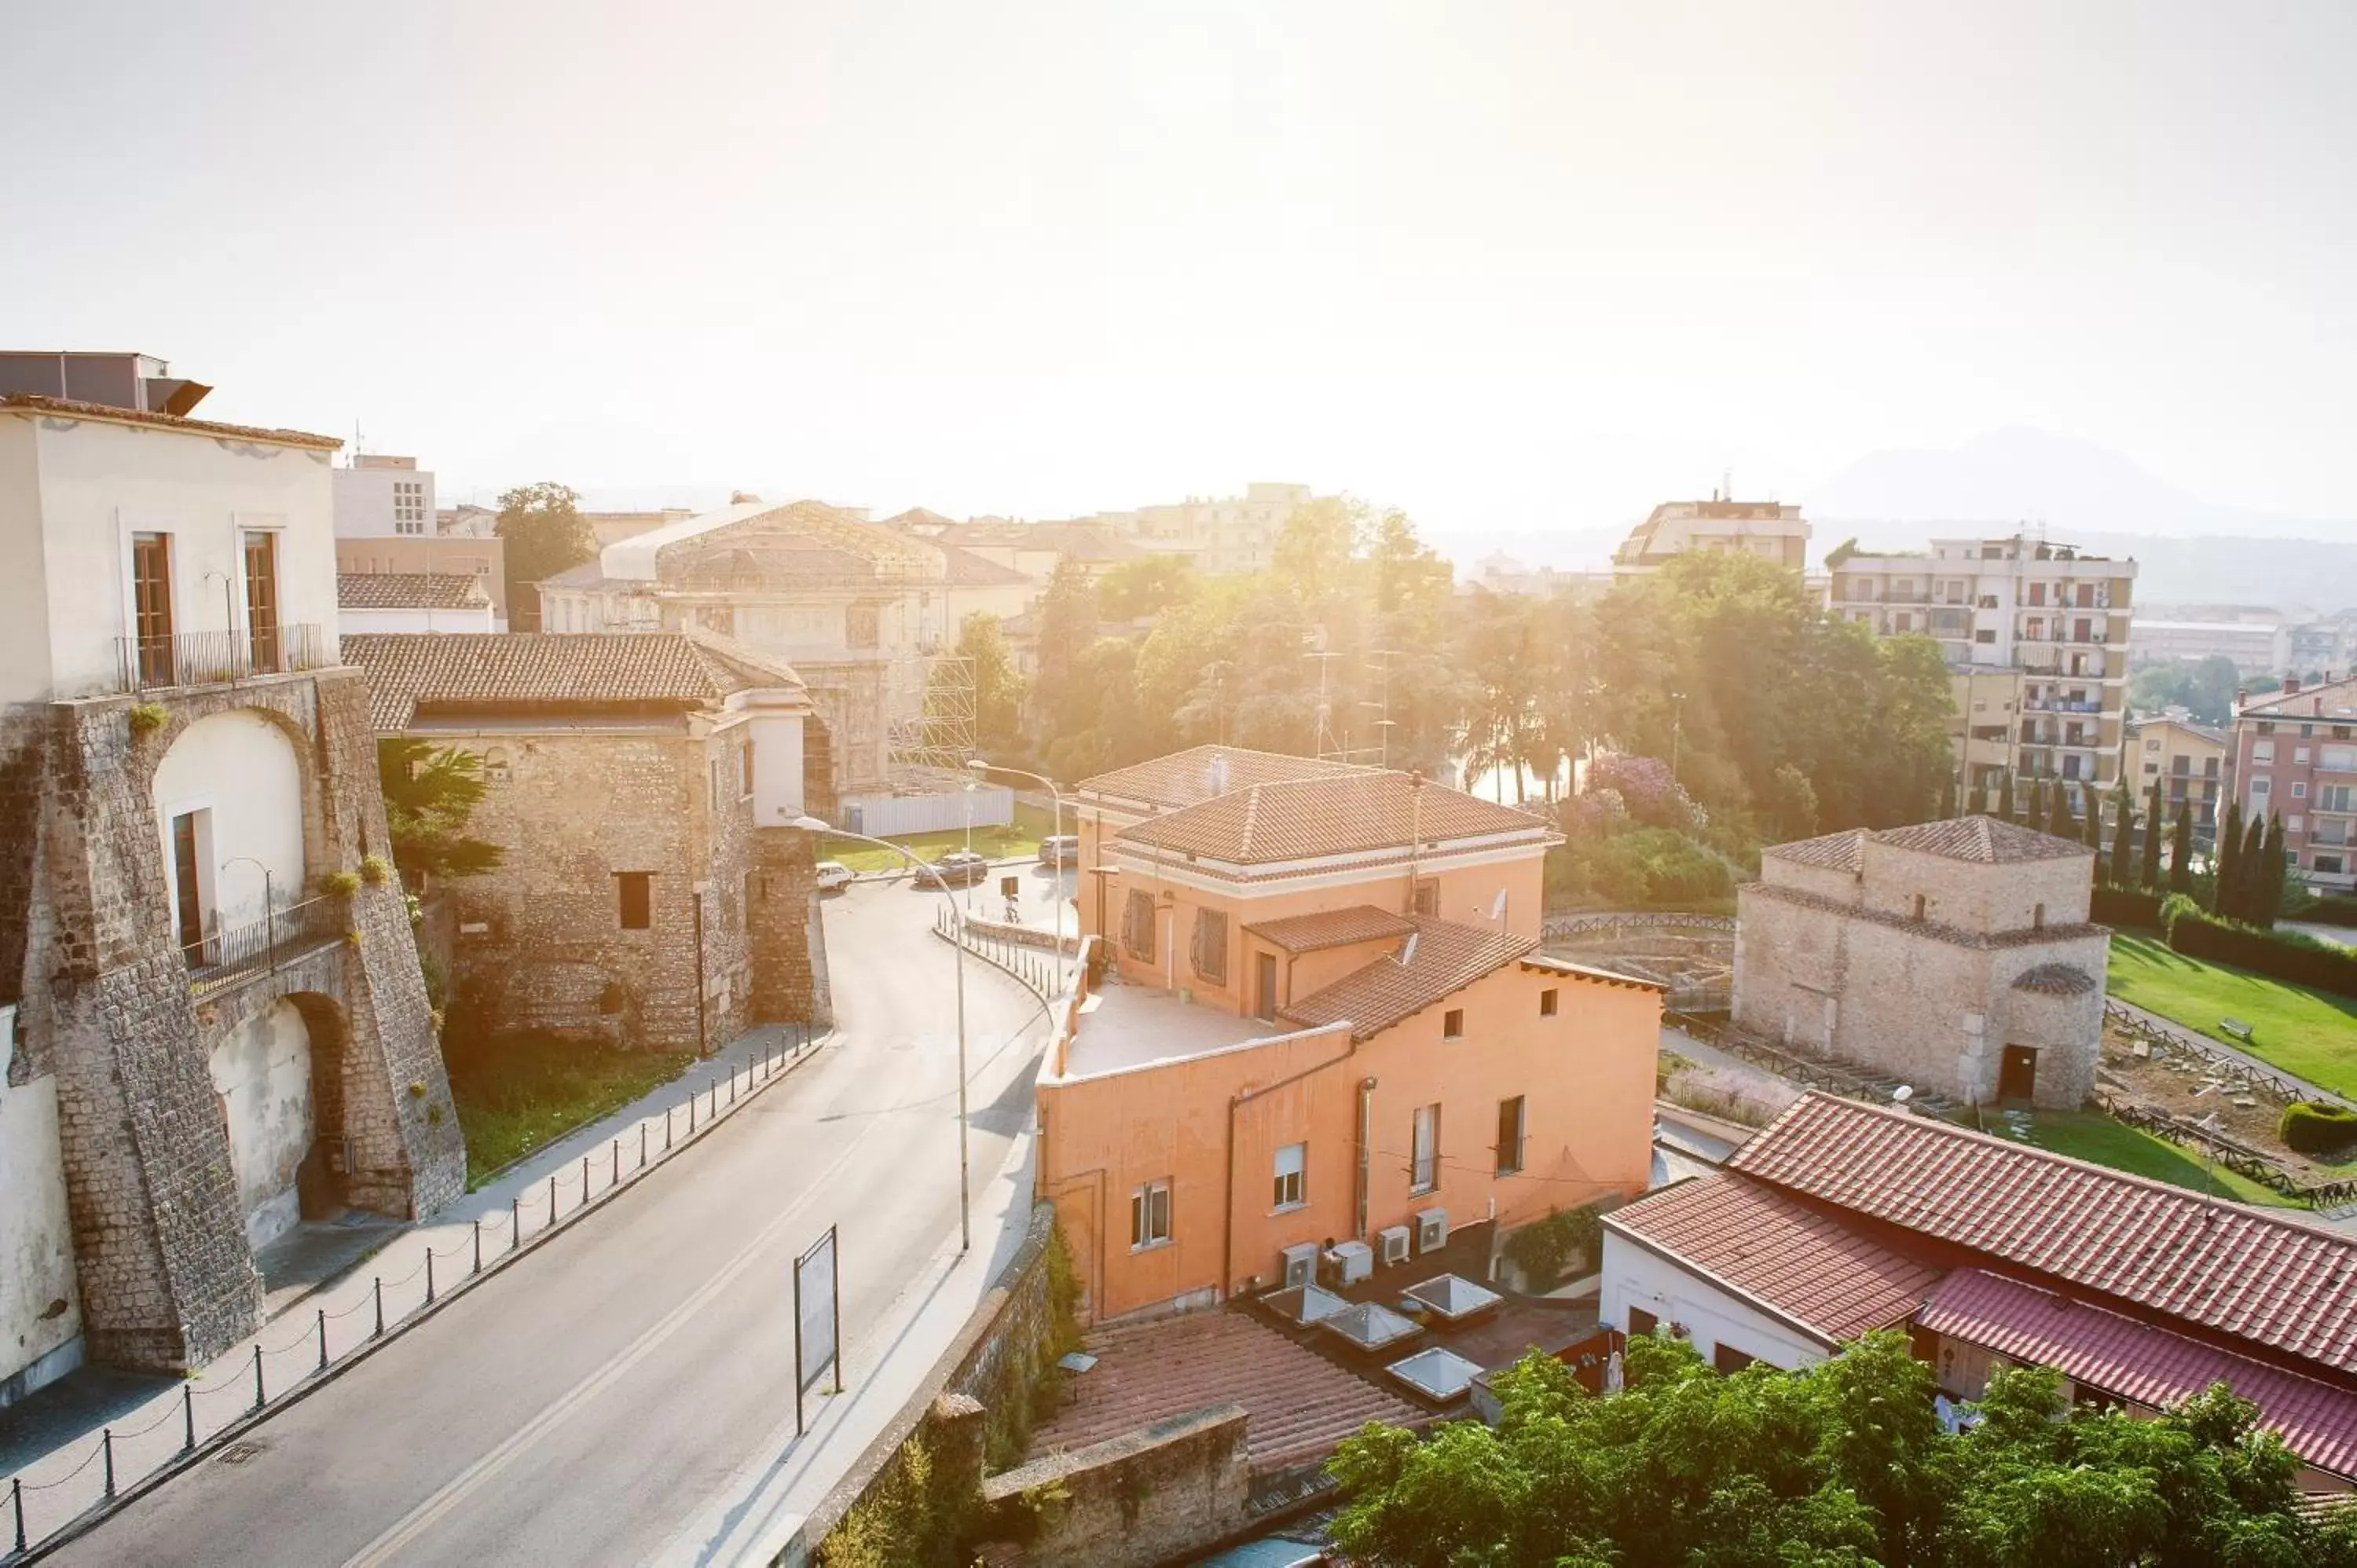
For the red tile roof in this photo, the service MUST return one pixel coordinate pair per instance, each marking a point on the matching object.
(550, 669)
(1446, 959)
(2245, 1271)
(1205, 773)
(2334, 700)
(72, 408)
(1301, 1404)
(1332, 927)
(1799, 1261)
(1984, 841)
(1304, 819)
(408, 591)
(1836, 852)
(2139, 1361)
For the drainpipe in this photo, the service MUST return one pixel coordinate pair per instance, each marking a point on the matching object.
(1366, 1147)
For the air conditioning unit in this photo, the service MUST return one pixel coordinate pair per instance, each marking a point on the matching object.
(1301, 1264)
(1392, 1241)
(1431, 1230)
(1352, 1260)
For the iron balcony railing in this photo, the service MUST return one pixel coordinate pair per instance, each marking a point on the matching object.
(259, 947)
(212, 658)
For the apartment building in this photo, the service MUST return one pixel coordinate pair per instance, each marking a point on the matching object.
(387, 525)
(2255, 647)
(1318, 1029)
(2036, 634)
(2189, 761)
(210, 1045)
(2294, 751)
(1721, 525)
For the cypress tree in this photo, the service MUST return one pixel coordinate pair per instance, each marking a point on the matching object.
(2180, 851)
(1948, 796)
(2251, 870)
(2057, 813)
(2094, 823)
(2153, 818)
(2123, 836)
(2267, 886)
(1977, 803)
(2228, 856)
(2005, 797)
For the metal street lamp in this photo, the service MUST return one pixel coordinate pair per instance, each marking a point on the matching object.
(966, 1197)
(978, 765)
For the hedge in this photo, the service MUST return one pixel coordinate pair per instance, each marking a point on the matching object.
(2302, 961)
(2330, 912)
(2125, 906)
(2313, 1127)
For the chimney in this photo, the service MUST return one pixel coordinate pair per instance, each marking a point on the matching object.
(2291, 684)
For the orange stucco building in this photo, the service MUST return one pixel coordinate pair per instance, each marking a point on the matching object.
(1322, 1018)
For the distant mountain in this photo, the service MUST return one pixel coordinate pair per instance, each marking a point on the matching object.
(2021, 475)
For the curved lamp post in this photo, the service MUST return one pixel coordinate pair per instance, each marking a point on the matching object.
(965, 1201)
(979, 766)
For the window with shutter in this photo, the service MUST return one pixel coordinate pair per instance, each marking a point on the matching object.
(1292, 1174)
(1210, 954)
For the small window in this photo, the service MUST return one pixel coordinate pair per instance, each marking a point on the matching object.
(1985, 635)
(1452, 1024)
(2295, 822)
(1548, 1001)
(2038, 918)
(636, 891)
(1292, 1166)
(1211, 946)
(1150, 1215)
(1427, 899)
(1726, 1359)
(2263, 751)
(1510, 1135)
(1137, 924)
(2299, 789)
(1424, 1143)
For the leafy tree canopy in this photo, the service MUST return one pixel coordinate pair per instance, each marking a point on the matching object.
(545, 535)
(430, 796)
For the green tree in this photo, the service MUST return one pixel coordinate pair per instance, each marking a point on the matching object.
(2122, 871)
(2206, 688)
(544, 533)
(2004, 796)
(430, 796)
(2251, 872)
(1068, 627)
(997, 685)
(2226, 889)
(2180, 851)
(1948, 796)
(2267, 885)
(1139, 589)
(2095, 819)
(2153, 818)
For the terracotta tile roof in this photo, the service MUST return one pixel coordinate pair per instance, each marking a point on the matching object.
(1090, 542)
(1984, 841)
(2214, 737)
(1301, 1404)
(2335, 699)
(1836, 852)
(1799, 1261)
(2140, 1361)
(549, 669)
(2055, 980)
(1204, 772)
(1303, 819)
(1446, 959)
(69, 408)
(2245, 1271)
(1332, 927)
(966, 569)
(407, 591)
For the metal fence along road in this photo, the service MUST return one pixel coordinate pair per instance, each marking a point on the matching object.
(53, 1499)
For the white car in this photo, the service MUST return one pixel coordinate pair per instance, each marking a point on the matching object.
(834, 876)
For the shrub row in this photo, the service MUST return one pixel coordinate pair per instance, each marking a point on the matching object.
(2289, 956)
(2331, 912)
(2125, 906)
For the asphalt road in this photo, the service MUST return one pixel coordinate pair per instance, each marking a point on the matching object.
(581, 1406)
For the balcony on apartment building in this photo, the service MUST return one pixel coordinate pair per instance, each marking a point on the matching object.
(159, 660)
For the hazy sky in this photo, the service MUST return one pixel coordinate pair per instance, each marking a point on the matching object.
(1507, 265)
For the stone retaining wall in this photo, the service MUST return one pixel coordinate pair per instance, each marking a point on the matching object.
(1156, 1495)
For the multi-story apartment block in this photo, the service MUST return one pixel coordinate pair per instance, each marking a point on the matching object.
(2294, 751)
(1719, 525)
(216, 1034)
(2188, 760)
(2255, 647)
(1319, 1026)
(2019, 620)
(387, 525)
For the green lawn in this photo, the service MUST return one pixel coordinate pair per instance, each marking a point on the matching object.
(525, 1091)
(2305, 1032)
(2094, 1137)
(1021, 838)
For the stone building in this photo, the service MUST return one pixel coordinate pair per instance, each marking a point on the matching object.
(653, 891)
(208, 1045)
(1956, 956)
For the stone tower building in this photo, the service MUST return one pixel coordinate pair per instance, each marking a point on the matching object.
(218, 1024)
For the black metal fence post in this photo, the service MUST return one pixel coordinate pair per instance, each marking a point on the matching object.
(107, 1442)
(429, 1274)
(479, 1243)
(17, 1496)
(322, 1314)
(257, 1372)
(377, 1287)
(616, 1179)
(584, 1178)
(552, 1197)
(643, 1146)
(187, 1419)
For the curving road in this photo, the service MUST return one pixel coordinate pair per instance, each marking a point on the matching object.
(587, 1403)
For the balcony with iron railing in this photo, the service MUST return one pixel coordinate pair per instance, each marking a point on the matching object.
(219, 657)
(236, 953)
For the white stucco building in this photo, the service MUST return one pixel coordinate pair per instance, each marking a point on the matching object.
(379, 496)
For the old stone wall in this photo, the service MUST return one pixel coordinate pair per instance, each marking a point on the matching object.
(1148, 1497)
(787, 942)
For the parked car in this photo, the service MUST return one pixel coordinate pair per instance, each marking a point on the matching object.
(1060, 850)
(834, 876)
(959, 868)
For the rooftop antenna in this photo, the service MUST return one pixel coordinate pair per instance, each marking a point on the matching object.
(1329, 746)
(1726, 483)
(1384, 725)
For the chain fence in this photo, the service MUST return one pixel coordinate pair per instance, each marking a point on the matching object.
(78, 1485)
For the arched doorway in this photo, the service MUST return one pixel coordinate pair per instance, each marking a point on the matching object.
(278, 1074)
(230, 813)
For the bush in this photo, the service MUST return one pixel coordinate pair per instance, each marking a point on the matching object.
(374, 869)
(339, 884)
(2331, 912)
(1543, 1250)
(2284, 955)
(2122, 907)
(2313, 1127)
(146, 718)
(1653, 867)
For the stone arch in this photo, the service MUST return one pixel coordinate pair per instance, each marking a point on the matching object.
(265, 1079)
(234, 794)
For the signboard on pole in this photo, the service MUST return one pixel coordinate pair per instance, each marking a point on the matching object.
(818, 1320)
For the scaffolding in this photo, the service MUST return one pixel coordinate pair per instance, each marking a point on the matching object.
(930, 704)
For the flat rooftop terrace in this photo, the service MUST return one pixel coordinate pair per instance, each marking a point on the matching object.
(1128, 1026)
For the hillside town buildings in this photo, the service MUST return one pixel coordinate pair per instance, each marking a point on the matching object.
(1842, 1219)
(388, 526)
(2190, 762)
(208, 1041)
(1320, 1028)
(653, 891)
(2295, 753)
(1956, 957)
(2035, 635)
(2256, 648)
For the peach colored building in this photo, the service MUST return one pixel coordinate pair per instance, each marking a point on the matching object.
(1320, 1016)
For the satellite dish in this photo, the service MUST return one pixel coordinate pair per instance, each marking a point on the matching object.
(1901, 1095)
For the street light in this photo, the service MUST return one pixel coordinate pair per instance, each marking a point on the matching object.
(977, 765)
(965, 1200)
